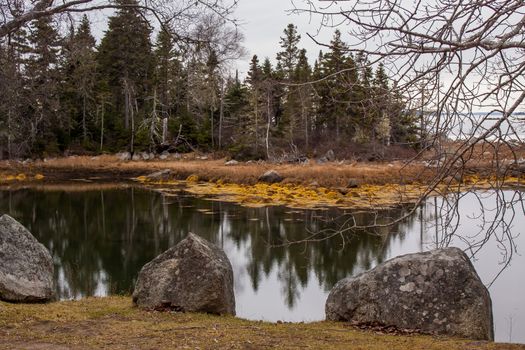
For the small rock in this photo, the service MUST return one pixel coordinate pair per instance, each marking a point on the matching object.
(145, 155)
(136, 157)
(164, 155)
(271, 176)
(161, 175)
(435, 292)
(193, 276)
(352, 183)
(231, 162)
(344, 191)
(26, 267)
(330, 156)
(456, 178)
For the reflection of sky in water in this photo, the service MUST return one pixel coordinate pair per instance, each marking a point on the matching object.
(99, 252)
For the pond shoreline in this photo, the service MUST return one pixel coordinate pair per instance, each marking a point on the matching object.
(360, 185)
(113, 322)
(110, 168)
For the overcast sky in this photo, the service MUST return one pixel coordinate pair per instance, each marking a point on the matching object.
(263, 22)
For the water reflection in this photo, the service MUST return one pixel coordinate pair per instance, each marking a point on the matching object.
(99, 240)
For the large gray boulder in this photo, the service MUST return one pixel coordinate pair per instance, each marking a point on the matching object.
(193, 276)
(436, 292)
(26, 267)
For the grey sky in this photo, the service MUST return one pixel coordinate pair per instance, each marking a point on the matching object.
(263, 22)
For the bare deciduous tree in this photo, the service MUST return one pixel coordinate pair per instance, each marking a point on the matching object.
(14, 14)
(460, 66)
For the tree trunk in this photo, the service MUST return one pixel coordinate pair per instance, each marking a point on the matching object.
(221, 114)
(102, 127)
(164, 129)
(126, 108)
(9, 135)
(268, 127)
(211, 128)
(256, 105)
(84, 130)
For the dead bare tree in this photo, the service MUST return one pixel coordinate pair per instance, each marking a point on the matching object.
(461, 66)
(219, 44)
(14, 14)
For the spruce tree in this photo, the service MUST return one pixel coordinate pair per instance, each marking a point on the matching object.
(339, 80)
(46, 129)
(78, 88)
(168, 81)
(125, 63)
(13, 97)
(255, 84)
(289, 55)
(287, 60)
(305, 98)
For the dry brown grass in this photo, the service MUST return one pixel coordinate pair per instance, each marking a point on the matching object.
(112, 323)
(327, 175)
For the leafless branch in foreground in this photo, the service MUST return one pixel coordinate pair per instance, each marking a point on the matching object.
(14, 14)
(460, 67)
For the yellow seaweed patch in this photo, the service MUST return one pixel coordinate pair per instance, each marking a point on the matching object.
(302, 197)
(39, 177)
(192, 178)
(21, 177)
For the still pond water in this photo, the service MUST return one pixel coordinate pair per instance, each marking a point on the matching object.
(100, 239)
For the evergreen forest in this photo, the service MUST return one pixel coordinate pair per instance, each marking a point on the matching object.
(144, 89)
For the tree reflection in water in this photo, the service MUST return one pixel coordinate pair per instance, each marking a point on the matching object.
(100, 239)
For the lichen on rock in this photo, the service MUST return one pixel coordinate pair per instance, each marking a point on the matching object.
(435, 292)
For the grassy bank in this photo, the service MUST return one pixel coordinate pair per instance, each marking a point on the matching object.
(109, 167)
(113, 323)
(374, 185)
